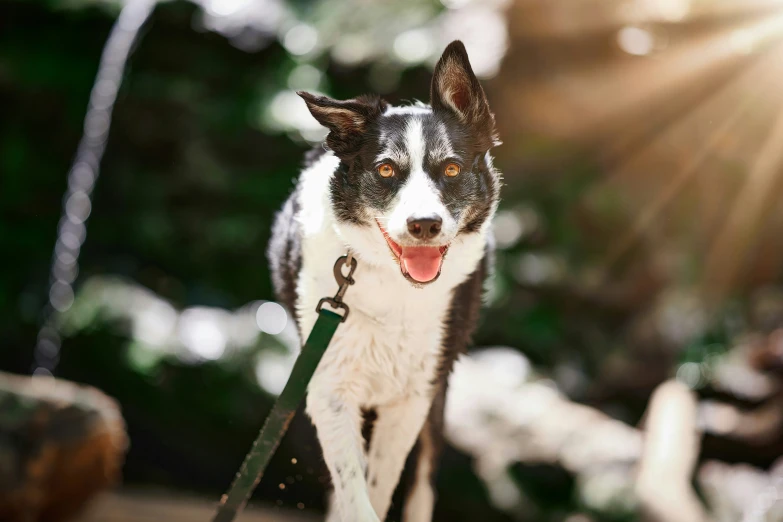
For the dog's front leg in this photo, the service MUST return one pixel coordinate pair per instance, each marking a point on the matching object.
(394, 433)
(338, 424)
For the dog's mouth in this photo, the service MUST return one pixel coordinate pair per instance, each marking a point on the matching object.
(419, 264)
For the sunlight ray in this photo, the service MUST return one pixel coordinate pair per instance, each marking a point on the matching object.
(732, 95)
(558, 19)
(733, 100)
(743, 223)
(621, 92)
(653, 210)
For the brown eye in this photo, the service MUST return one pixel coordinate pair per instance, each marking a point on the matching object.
(386, 170)
(452, 169)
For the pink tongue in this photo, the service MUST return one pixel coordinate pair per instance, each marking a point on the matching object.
(421, 263)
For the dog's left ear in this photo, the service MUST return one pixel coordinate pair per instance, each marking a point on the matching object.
(455, 88)
(347, 120)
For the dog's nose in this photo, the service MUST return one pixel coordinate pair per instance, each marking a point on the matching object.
(425, 228)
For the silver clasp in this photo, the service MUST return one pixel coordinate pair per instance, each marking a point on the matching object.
(343, 282)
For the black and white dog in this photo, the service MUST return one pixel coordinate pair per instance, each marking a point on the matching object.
(410, 191)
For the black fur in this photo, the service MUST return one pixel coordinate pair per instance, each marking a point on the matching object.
(285, 252)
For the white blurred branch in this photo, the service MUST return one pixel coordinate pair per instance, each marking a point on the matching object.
(663, 485)
(500, 416)
(739, 492)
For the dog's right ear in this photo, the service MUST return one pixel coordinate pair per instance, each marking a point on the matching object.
(347, 120)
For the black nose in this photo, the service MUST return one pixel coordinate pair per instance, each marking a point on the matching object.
(425, 228)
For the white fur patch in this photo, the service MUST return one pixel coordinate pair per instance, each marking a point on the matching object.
(409, 109)
(414, 142)
(418, 198)
(442, 149)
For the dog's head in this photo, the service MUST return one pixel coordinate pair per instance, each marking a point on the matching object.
(414, 182)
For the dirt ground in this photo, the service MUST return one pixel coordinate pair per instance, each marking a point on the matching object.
(144, 506)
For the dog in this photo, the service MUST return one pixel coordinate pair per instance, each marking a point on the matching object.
(410, 192)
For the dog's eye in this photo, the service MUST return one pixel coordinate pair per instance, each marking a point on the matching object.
(451, 170)
(386, 170)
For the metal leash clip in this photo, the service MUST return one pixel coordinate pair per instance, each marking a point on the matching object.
(343, 282)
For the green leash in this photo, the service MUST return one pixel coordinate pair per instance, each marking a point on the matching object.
(277, 422)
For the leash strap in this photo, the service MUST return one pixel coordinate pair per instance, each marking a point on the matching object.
(276, 424)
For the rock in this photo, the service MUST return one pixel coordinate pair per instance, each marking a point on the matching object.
(60, 443)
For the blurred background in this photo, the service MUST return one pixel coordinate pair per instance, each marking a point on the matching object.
(629, 361)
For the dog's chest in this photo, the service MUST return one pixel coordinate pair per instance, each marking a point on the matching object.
(390, 346)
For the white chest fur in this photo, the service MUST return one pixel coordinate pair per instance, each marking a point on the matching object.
(388, 348)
